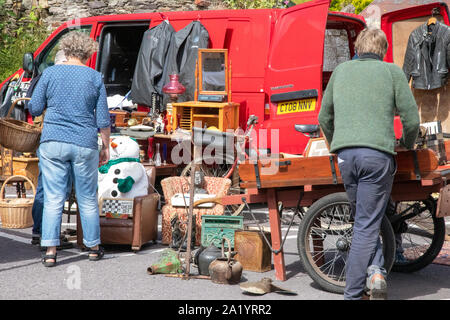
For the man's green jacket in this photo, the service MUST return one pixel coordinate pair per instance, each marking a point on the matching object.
(360, 102)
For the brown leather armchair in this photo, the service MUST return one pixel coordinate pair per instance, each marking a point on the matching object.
(139, 229)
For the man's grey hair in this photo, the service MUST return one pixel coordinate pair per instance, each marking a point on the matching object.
(371, 40)
(78, 45)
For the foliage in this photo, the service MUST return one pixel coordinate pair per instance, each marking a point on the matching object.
(26, 38)
(336, 5)
(360, 5)
(258, 4)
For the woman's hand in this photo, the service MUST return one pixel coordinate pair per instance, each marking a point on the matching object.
(104, 156)
(104, 153)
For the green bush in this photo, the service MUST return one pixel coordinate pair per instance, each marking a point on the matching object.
(27, 38)
(249, 4)
(259, 4)
(336, 5)
(360, 5)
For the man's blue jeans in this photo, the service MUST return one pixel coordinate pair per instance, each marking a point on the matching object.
(58, 161)
(368, 175)
(38, 207)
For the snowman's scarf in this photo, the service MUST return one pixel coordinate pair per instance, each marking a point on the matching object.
(105, 168)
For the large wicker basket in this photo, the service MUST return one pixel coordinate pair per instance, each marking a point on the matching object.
(19, 135)
(16, 213)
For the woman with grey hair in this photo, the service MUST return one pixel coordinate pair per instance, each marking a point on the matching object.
(356, 116)
(75, 100)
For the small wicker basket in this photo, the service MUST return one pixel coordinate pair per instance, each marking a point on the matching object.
(16, 213)
(19, 135)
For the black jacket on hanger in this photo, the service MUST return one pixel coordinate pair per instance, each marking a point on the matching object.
(427, 57)
(182, 58)
(147, 77)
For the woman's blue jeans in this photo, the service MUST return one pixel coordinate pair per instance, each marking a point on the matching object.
(38, 204)
(57, 161)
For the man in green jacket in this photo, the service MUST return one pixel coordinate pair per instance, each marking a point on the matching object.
(356, 117)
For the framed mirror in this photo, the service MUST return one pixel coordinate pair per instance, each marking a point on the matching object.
(213, 72)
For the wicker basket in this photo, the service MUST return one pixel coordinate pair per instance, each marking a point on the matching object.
(16, 213)
(19, 135)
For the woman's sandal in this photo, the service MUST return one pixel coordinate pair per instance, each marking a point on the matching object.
(98, 254)
(47, 257)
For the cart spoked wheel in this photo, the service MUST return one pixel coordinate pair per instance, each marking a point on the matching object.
(324, 239)
(419, 234)
(212, 169)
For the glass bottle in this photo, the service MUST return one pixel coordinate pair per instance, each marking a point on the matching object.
(150, 150)
(157, 156)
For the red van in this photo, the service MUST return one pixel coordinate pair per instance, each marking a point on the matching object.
(277, 56)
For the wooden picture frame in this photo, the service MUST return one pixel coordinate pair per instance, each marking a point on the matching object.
(214, 55)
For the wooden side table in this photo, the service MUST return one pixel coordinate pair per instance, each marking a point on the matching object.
(23, 166)
(162, 170)
(28, 167)
(222, 115)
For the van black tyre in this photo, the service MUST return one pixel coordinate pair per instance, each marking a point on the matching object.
(324, 239)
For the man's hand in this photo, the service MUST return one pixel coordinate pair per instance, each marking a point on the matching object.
(399, 147)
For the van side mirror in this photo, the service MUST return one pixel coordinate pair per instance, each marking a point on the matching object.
(28, 62)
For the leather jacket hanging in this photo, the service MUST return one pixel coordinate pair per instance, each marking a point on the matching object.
(182, 56)
(427, 57)
(147, 77)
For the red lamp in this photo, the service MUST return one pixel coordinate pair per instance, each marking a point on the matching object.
(174, 87)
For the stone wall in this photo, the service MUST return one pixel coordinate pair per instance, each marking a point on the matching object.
(336, 45)
(54, 12)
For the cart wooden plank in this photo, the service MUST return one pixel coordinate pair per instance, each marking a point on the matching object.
(290, 172)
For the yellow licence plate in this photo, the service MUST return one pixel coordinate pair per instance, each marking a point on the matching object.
(296, 106)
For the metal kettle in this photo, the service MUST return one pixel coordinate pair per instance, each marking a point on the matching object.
(225, 270)
(204, 256)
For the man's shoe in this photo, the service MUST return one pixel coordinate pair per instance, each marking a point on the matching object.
(376, 286)
(400, 258)
(35, 239)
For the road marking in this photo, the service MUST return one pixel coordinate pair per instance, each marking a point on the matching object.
(16, 238)
(67, 224)
(292, 229)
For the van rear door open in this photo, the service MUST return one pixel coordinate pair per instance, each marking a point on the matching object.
(119, 43)
(293, 79)
(398, 25)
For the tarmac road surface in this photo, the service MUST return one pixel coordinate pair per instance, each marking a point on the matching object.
(122, 274)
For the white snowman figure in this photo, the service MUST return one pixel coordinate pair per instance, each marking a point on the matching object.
(123, 176)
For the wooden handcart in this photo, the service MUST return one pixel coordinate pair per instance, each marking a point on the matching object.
(301, 182)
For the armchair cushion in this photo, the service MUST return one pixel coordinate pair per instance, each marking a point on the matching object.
(173, 185)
